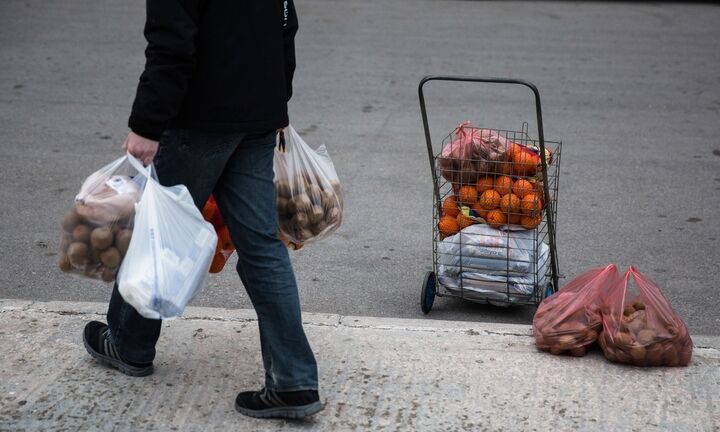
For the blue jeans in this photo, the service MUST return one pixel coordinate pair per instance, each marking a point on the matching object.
(238, 169)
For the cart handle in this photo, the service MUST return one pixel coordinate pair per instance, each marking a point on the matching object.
(541, 138)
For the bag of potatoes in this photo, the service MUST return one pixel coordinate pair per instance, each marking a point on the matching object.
(642, 329)
(569, 321)
(309, 196)
(97, 229)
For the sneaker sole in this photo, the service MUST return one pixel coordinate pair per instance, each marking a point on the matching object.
(283, 412)
(117, 364)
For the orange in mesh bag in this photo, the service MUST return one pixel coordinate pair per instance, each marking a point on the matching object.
(642, 329)
(569, 321)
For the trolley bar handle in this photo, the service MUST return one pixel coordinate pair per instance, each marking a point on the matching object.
(541, 138)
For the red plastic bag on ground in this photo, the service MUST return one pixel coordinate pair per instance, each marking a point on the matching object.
(471, 153)
(569, 321)
(225, 247)
(642, 329)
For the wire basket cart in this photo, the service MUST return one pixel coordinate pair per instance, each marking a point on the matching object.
(495, 212)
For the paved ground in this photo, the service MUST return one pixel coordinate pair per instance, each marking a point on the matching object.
(631, 89)
(377, 374)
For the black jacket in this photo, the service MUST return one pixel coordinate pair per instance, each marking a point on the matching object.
(216, 65)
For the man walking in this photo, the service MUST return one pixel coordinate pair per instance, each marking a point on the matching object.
(208, 107)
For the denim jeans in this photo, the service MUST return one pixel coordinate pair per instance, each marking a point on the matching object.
(238, 169)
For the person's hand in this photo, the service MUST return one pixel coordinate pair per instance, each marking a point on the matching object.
(142, 148)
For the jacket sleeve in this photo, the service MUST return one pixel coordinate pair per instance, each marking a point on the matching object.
(290, 28)
(170, 31)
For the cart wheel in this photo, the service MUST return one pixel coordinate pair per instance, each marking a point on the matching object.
(427, 295)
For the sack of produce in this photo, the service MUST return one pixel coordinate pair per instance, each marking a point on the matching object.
(98, 227)
(471, 153)
(309, 196)
(225, 246)
(642, 329)
(569, 321)
(170, 252)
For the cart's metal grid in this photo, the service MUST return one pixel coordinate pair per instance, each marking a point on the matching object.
(535, 256)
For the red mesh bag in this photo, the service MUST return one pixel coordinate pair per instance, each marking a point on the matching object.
(472, 153)
(569, 321)
(642, 329)
(225, 247)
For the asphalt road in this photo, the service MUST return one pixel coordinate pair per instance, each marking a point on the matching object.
(632, 90)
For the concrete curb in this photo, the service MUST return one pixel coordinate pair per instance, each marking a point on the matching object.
(706, 343)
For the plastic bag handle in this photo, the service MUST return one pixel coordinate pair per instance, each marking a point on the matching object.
(145, 171)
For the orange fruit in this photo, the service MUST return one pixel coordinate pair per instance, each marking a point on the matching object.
(522, 187)
(448, 225)
(531, 204)
(468, 195)
(450, 206)
(496, 218)
(479, 209)
(504, 168)
(489, 199)
(514, 218)
(485, 183)
(530, 222)
(503, 185)
(510, 203)
(464, 221)
(525, 163)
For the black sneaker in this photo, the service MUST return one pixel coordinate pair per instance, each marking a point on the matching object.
(271, 404)
(98, 344)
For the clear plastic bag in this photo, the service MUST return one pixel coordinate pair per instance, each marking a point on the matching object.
(170, 252)
(309, 195)
(569, 321)
(642, 329)
(98, 227)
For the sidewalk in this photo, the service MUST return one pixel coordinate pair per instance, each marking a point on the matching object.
(377, 374)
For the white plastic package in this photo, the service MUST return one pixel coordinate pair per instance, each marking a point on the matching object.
(492, 265)
(170, 252)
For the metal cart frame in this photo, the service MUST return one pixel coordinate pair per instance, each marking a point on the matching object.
(430, 283)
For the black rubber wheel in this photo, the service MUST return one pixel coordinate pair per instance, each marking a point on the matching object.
(427, 295)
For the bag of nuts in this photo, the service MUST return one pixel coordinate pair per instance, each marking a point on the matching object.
(642, 329)
(97, 229)
(309, 196)
(569, 321)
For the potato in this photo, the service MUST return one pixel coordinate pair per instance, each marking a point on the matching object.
(315, 194)
(65, 242)
(282, 189)
(282, 204)
(623, 357)
(566, 342)
(64, 263)
(556, 351)
(107, 275)
(316, 214)
(122, 241)
(591, 335)
(628, 310)
(81, 233)
(291, 207)
(638, 305)
(332, 217)
(646, 336)
(638, 354)
(329, 199)
(70, 221)
(78, 254)
(303, 203)
(579, 351)
(319, 227)
(111, 258)
(622, 339)
(101, 238)
(299, 221)
(654, 354)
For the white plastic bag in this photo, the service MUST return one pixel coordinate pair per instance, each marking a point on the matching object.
(98, 227)
(309, 196)
(170, 252)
